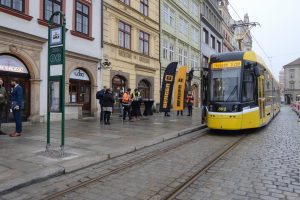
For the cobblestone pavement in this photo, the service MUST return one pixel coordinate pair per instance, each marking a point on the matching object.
(266, 165)
(152, 179)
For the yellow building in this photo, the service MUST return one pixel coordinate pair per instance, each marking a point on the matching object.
(131, 45)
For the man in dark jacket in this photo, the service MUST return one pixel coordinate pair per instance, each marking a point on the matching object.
(2, 102)
(107, 105)
(99, 96)
(16, 106)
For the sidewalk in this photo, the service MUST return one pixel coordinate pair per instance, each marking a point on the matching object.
(23, 159)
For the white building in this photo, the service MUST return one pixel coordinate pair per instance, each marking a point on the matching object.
(24, 51)
(292, 81)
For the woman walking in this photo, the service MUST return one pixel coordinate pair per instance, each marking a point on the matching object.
(108, 102)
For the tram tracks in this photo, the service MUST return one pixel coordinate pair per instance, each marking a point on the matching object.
(151, 155)
(156, 153)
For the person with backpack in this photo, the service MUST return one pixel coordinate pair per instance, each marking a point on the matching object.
(99, 96)
(107, 105)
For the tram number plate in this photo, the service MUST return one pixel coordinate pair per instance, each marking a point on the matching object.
(222, 109)
(56, 55)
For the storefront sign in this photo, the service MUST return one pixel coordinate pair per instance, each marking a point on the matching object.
(11, 64)
(79, 74)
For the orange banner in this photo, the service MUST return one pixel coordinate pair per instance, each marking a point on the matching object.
(179, 89)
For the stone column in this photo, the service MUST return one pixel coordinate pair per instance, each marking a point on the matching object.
(35, 100)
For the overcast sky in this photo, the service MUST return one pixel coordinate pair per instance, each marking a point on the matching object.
(279, 34)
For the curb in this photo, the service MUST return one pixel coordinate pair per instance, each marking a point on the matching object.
(84, 162)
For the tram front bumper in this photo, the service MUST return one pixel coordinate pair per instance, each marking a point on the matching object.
(224, 121)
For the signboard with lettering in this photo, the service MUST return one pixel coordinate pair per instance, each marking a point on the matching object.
(56, 55)
(79, 74)
(227, 64)
(12, 64)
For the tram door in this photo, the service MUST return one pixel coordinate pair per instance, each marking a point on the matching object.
(261, 99)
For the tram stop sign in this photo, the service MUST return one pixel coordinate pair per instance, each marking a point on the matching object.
(56, 51)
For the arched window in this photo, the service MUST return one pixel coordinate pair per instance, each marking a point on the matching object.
(145, 88)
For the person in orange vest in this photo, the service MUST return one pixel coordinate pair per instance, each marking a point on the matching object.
(126, 101)
(190, 103)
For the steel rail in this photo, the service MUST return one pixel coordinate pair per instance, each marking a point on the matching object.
(151, 155)
(220, 154)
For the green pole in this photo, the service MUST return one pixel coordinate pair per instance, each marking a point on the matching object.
(63, 89)
(48, 93)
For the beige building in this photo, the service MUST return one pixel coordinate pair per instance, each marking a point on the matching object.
(131, 45)
(292, 81)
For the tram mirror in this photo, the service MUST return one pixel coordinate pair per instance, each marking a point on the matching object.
(256, 71)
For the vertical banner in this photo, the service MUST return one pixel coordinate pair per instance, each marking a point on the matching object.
(179, 88)
(167, 87)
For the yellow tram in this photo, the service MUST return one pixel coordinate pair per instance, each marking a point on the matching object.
(242, 92)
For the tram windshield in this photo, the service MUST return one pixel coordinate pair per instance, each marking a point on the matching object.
(225, 85)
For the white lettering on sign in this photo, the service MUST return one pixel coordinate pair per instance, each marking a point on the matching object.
(79, 74)
(12, 64)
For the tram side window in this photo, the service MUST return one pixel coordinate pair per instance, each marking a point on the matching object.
(248, 86)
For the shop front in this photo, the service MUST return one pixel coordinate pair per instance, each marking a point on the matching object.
(12, 67)
(80, 90)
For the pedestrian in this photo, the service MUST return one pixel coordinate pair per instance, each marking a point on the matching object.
(3, 101)
(107, 104)
(99, 96)
(120, 102)
(16, 106)
(179, 111)
(190, 103)
(167, 114)
(126, 102)
(136, 108)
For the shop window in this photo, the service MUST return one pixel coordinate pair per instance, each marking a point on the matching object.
(145, 89)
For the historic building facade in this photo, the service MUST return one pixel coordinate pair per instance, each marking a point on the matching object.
(24, 51)
(227, 28)
(131, 45)
(212, 36)
(243, 33)
(180, 38)
(292, 81)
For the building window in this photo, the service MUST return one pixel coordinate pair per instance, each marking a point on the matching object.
(292, 86)
(165, 49)
(124, 35)
(194, 63)
(180, 56)
(82, 18)
(51, 6)
(195, 34)
(205, 36)
(144, 7)
(183, 26)
(17, 5)
(195, 9)
(171, 49)
(292, 73)
(219, 46)
(213, 42)
(169, 16)
(205, 62)
(127, 2)
(185, 58)
(144, 43)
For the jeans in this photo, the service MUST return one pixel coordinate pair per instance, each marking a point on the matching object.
(106, 116)
(190, 107)
(18, 119)
(126, 112)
